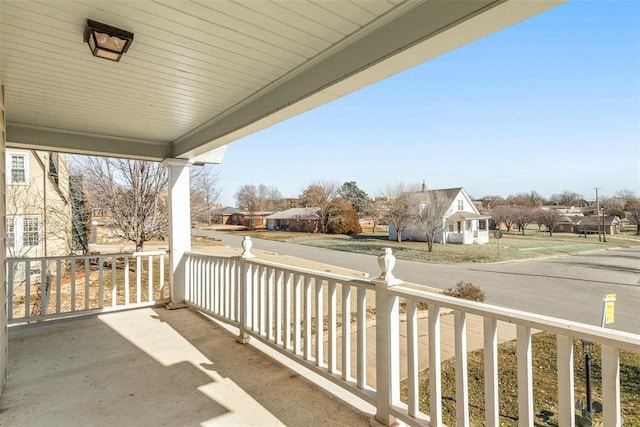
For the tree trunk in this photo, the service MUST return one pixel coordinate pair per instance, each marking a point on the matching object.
(139, 245)
(430, 245)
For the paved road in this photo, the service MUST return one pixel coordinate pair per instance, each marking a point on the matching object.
(568, 287)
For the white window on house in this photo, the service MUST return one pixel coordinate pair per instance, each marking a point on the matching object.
(30, 231)
(11, 233)
(451, 228)
(468, 225)
(23, 232)
(460, 205)
(17, 168)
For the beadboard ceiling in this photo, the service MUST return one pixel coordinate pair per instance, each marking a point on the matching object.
(201, 74)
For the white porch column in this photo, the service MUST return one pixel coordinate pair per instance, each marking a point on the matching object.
(179, 227)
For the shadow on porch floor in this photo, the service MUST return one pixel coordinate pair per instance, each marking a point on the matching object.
(154, 367)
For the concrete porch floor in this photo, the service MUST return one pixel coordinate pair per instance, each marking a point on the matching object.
(155, 367)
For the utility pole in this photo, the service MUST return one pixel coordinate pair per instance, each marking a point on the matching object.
(598, 214)
(604, 228)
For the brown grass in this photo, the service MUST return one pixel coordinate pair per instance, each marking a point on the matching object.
(545, 383)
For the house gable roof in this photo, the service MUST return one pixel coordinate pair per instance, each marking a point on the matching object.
(226, 211)
(451, 195)
(594, 220)
(296, 213)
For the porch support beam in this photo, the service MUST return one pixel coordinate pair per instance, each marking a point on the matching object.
(47, 139)
(179, 227)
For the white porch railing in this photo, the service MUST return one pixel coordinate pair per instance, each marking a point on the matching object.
(320, 320)
(48, 287)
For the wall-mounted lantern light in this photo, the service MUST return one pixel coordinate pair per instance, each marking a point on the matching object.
(106, 41)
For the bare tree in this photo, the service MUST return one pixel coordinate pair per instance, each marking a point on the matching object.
(493, 200)
(132, 192)
(567, 198)
(547, 217)
(401, 206)
(522, 216)
(633, 207)
(205, 192)
(319, 195)
(503, 214)
(431, 208)
(379, 213)
(254, 199)
(532, 199)
(619, 203)
(625, 195)
(613, 206)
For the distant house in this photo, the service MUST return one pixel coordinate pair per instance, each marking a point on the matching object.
(250, 219)
(224, 215)
(295, 219)
(462, 222)
(566, 224)
(234, 216)
(589, 224)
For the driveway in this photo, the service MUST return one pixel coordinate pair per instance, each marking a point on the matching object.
(567, 287)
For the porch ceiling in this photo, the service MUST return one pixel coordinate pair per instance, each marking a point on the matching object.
(201, 74)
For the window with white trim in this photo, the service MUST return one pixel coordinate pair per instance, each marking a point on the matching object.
(460, 205)
(23, 232)
(11, 233)
(30, 231)
(17, 168)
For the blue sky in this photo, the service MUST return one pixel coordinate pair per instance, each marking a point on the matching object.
(550, 104)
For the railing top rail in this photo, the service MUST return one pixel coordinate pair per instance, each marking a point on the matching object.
(294, 269)
(620, 339)
(146, 253)
(310, 272)
(87, 256)
(207, 254)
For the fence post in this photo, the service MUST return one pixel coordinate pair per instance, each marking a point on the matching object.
(245, 277)
(387, 342)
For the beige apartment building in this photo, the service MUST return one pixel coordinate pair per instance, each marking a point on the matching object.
(39, 213)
